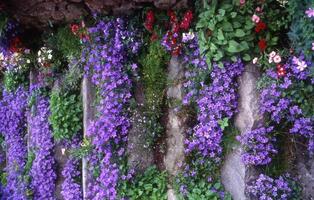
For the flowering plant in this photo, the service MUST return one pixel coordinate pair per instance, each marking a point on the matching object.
(172, 40)
(265, 187)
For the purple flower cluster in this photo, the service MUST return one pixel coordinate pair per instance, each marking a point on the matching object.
(258, 144)
(267, 188)
(42, 173)
(71, 186)
(196, 71)
(13, 127)
(216, 102)
(280, 106)
(107, 60)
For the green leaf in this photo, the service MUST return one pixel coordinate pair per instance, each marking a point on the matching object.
(234, 47)
(247, 57)
(239, 33)
(220, 35)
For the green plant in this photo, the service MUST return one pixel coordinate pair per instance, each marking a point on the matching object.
(66, 114)
(153, 66)
(66, 42)
(149, 185)
(225, 32)
(13, 79)
(301, 32)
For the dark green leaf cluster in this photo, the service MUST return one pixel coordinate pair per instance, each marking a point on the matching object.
(302, 28)
(66, 114)
(225, 32)
(152, 185)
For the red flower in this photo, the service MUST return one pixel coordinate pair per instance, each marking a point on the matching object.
(15, 45)
(172, 15)
(281, 71)
(262, 44)
(75, 28)
(185, 24)
(149, 21)
(260, 26)
(154, 37)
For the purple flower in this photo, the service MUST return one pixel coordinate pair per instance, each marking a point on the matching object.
(310, 12)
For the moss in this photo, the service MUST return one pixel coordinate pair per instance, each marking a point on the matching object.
(153, 66)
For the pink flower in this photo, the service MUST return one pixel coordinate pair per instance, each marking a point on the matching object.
(313, 46)
(310, 12)
(272, 54)
(277, 59)
(258, 9)
(255, 18)
(242, 2)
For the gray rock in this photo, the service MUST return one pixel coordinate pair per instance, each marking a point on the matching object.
(140, 154)
(176, 122)
(304, 169)
(234, 173)
(88, 94)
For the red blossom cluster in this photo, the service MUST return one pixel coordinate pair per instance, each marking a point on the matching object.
(79, 30)
(176, 27)
(260, 26)
(262, 44)
(149, 21)
(16, 45)
(281, 71)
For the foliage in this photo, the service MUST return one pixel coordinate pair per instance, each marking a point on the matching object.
(72, 76)
(12, 80)
(149, 185)
(302, 28)
(67, 43)
(225, 32)
(66, 114)
(153, 66)
(199, 181)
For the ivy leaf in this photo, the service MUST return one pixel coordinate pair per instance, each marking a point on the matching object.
(239, 33)
(233, 47)
(246, 57)
(220, 35)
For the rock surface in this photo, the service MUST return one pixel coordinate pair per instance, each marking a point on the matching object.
(176, 123)
(89, 111)
(42, 13)
(304, 169)
(234, 173)
(140, 154)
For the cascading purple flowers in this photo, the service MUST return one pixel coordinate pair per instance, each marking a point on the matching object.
(258, 144)
(197, 69)
(71, 186)
(13, 127)
(265, 187)
(275, 101)
(216, 102)
(107, 61)
(42, 173)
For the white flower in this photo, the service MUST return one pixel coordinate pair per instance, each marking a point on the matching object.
(49, 51)
(270, 60)
(272, 54)
(255, 60)
(301, 65)
(277, 59)
(187, 36)
(63, 151)
(28, 61)
(49, 56)
(39, 53)
(39, 60)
